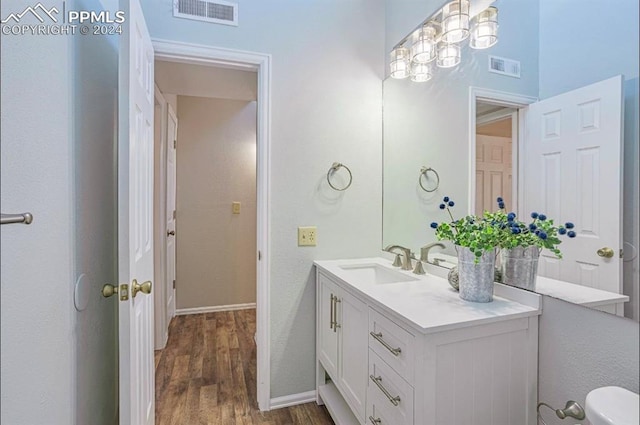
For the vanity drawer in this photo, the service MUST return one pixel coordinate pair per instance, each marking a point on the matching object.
(393, 344)
(389, 397)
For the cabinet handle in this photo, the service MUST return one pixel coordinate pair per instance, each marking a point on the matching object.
(335, 314)
(375, 421)
(378, 381)
(378, 337)
(331, 314)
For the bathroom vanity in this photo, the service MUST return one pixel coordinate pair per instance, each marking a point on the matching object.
(397, 348)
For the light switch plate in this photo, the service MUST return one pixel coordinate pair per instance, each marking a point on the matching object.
(307, 236)
(235, 207)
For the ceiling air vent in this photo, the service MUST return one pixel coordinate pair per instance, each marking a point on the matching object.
(504, 66)
(215, 11)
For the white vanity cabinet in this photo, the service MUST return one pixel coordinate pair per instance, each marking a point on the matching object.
(413, 353)
(342, 341)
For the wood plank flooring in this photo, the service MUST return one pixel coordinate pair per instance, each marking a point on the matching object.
(206, 375)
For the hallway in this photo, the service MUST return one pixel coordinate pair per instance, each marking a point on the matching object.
(206, 375)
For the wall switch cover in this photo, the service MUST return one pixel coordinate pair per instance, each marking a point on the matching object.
(307, 236)
(235, 207)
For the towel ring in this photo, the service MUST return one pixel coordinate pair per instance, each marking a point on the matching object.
(423, 172)
(333, 169)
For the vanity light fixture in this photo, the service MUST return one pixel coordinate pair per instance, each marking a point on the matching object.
(400, 62)
(439, 38)
(484, 29)
(421, 72)
(448, 55)
(423, 49)
(455, 21)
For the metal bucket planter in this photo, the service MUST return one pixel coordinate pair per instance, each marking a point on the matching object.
(476, 279)
(519, 266)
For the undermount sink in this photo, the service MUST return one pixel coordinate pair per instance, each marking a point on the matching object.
(374, 273)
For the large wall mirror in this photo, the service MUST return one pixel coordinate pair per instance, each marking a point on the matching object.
(545, 130)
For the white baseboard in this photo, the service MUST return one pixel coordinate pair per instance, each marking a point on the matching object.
(292, 400)
(214, 309)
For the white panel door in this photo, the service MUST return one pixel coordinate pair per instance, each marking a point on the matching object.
(170, 289)
(135, 219)
(573, 172)
(493, 172)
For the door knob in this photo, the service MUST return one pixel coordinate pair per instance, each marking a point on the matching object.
(136, 287)
(109, 290)
(605, 252)
(171, 233)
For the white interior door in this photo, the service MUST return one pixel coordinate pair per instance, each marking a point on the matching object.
(573, 172)
(172, 137)
(135, 219)
(493, 172)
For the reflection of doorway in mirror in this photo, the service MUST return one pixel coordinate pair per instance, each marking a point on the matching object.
(494, 156)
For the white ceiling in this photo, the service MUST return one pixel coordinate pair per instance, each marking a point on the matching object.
(205, 81)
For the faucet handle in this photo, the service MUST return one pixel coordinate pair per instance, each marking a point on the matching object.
(418, 268)
(398, 261)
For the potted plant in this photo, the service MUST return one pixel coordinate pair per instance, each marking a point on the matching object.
(520, 244)
(476, 240)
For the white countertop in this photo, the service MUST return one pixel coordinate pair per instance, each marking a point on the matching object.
(577, 294)
(430, 304)
(566, 291)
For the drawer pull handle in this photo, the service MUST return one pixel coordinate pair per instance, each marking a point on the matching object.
(375, 421)
(378, 381)
(378, 337)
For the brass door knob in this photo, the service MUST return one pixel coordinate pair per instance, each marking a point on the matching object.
(605, 252)
(109, 290)
(136, 287)
(171, 233)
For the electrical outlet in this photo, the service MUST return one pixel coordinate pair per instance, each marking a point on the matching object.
(307, 236)
(235, 207)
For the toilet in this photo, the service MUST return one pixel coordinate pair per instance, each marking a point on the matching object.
(612, 406)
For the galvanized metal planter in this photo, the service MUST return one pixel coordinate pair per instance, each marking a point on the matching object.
(519, 266)
(476, 279)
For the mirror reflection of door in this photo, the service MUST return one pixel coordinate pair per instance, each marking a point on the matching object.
(494, 156)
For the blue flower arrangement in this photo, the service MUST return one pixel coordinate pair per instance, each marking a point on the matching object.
(540, 231)
(501, 230)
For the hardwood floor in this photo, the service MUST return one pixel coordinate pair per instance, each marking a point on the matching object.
(207, 375)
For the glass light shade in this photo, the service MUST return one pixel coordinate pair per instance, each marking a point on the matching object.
(423, 49)
(484, 29)
(400, 63)
(421, 72)
(455, 21)
(448, 55)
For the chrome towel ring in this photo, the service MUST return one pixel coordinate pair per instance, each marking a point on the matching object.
(423, 173)
(333, 169)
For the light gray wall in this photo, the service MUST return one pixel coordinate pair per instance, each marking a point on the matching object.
(427, 124)
(582, 349)
(58, 95)
(216, 165)
(37, 261)
(326, 97)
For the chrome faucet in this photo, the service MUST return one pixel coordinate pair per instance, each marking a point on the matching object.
(424, 252)
(406, 252)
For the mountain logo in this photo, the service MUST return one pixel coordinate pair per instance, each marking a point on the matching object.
(39, 11)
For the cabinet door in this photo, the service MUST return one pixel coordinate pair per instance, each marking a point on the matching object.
(352, 328)
(327, 333)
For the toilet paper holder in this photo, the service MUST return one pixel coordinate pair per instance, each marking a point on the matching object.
(571, 410)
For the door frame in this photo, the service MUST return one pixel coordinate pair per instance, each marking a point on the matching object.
(174, 51)
(160, 324)
(510, 100)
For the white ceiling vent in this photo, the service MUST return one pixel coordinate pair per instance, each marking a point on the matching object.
(215, 11)
(504, 66)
